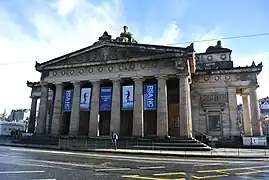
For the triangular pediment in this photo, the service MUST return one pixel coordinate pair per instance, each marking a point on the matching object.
(111, 51)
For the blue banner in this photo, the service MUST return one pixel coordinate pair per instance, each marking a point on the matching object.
(127, 97)
(150, 97)
(85, 99)
(67, 100)
(105, 98)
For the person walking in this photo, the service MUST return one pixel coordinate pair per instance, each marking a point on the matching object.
(114, 137)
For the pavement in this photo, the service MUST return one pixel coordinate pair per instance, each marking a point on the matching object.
(46, 164)
(217, 152)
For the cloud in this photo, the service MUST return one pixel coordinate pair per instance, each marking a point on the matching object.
(208, 38)
(62, 28)
(171, 34)
(65, 6)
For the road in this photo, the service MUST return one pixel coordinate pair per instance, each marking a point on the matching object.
(34, 164)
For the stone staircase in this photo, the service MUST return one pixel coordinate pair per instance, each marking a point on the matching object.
(168, 144)
(171, 144)
(104, 142)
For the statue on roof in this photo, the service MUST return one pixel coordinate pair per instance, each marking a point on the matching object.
(217, 48)
(125, 36)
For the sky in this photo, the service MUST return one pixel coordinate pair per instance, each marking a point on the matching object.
(39, 30)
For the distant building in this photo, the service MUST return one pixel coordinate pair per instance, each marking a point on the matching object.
(6, 127)
(17, 114)
(264, 106)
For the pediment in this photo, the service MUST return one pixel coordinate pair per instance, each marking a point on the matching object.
(109, 52)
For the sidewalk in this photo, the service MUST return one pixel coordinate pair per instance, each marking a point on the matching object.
(216, 153)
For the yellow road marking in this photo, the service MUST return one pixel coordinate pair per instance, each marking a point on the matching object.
(170, 174)
(207, 177)
(252, 172)
(148, 178)
(231, 169)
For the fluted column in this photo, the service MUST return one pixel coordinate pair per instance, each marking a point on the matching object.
(162, 110)
(95, 101)
(74, 120)
(57, 110)
(233, 111)
(115, 107)
(185, 107)
(138, 117)
(246, 116)
(255, 113)
(42, 115)
(31, 125)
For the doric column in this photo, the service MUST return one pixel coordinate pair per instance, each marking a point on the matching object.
(42, 114)
(185, 107)
(31, 125)
(49, 112)
(255, 113)
(246, 116)
(162, 110)
(232, 99)
(93, 125)
(115, 107)
(57, 110)
(74, 120)
(138, 118)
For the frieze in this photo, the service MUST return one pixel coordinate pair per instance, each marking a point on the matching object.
(111, 68)
(214, 97)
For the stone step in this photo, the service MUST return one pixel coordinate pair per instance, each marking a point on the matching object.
(170, 148)
(179, 144)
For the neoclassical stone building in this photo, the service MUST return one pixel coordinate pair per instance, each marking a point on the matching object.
(144, 90)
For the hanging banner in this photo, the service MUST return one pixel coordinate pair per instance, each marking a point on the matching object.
(150, 97)
(127, 97)
(105, 98)
(67, 100)
(85, 99)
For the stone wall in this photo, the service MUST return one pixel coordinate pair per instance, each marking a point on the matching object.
(210, 93)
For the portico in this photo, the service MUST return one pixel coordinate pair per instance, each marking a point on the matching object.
(146, 90)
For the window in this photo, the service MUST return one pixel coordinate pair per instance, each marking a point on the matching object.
(176, 122)
(214, 120)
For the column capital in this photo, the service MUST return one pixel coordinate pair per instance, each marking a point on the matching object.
(95, 81)
(244, 94)
(164, 77)
(45, 84)
(115, 80)
(138, 78)
(58, 83)
(76, 83)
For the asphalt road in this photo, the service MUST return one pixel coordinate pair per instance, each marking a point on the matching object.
(34, 164)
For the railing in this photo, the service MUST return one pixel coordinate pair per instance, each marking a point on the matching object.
(202, 135)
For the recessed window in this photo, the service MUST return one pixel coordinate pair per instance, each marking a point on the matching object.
(214, 120)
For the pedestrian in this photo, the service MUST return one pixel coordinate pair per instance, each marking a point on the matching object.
(114, 137)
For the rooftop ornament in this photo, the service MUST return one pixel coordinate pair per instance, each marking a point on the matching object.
(217, 48)
(126, 37)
